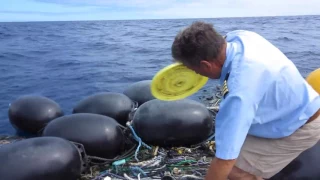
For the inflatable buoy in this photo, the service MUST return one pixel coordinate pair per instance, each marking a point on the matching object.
(140, 92)
(100, 135)
(314, 80)
(48, 158)
(31, 113)
(115, 105)
(305, 166)
(172, 123)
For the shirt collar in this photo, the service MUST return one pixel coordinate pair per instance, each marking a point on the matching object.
(230, 52)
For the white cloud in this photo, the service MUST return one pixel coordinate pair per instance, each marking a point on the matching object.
(204, 8)
(229, 8)
(115, 3)
(152, 9)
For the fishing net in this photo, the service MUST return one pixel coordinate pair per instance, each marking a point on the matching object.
(142, 161)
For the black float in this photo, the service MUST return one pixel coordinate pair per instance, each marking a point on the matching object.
(47, 158)
(173, 123)
(139, 92)
(31, 113)
(115, 105)
(100, 135)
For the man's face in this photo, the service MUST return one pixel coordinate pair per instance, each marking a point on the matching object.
(206, 68)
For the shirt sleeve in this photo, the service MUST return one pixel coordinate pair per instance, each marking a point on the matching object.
(246, 84)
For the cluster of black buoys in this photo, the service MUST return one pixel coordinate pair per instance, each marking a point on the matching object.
(97, 122)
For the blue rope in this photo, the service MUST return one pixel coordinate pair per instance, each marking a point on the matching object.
(137, 138)
(137, 169)
(212, 136)
(106, 173)
(137, 150)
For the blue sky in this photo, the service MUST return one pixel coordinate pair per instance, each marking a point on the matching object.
(64, 10)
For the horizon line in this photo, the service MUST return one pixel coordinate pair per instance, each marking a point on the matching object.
(138, 19)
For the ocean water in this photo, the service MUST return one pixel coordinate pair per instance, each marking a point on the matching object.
(67, 61)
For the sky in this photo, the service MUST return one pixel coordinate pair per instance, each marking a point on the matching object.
(69, 10)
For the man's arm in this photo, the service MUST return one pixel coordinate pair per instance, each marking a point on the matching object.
(219, 169)
(246, 84)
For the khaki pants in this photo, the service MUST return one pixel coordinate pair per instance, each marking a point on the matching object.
(266, 157)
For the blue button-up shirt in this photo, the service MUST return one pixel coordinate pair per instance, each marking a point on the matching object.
(267, 96)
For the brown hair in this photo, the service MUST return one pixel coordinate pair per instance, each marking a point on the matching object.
(200, 41)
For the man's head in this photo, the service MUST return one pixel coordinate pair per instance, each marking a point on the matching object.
(201, 49)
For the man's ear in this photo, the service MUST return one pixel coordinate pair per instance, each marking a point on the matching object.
(207, 66)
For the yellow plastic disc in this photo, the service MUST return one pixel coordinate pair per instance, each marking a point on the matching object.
(175, 82)
(314, 80)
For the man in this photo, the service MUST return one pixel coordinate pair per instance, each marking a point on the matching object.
(269, 114)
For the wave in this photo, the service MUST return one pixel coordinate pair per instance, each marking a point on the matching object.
(4, 35)
(285, 39)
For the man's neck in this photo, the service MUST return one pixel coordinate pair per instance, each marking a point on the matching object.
(222, 56)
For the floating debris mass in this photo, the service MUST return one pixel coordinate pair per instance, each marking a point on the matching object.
(142, 161)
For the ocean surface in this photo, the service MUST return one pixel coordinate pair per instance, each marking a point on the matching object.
(68, 61)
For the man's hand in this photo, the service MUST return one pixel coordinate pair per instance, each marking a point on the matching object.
(219, 169)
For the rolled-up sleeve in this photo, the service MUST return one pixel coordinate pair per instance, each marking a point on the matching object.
(247, 85)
